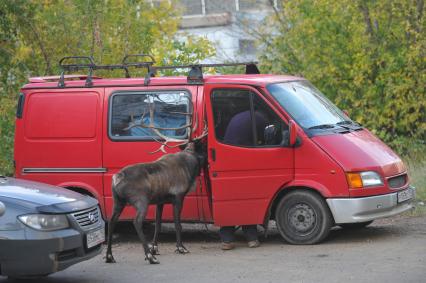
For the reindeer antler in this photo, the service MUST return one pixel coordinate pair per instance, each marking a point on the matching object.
(167, 139)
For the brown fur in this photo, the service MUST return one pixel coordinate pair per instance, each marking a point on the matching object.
(166, 180)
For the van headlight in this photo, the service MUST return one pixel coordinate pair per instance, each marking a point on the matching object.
(364, 179)
(45, 222)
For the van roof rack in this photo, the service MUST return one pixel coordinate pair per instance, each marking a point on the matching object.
(195, 74)
(86, 62)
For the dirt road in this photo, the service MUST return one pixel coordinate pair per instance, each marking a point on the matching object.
(392, 250)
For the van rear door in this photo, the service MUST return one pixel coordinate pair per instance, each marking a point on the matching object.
(58, 138)
(248, 159)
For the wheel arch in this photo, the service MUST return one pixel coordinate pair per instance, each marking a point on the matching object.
(85, 189)
(316, 188)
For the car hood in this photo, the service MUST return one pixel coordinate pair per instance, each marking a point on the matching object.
(361, 151)
(45, 198)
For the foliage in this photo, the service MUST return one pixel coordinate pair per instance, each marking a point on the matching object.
(367, 56)
(417, 169)
(34, 35)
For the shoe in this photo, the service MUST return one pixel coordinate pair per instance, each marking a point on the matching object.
(227, 246)
(253, 244)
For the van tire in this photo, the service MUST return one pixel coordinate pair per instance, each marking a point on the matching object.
(303, 218)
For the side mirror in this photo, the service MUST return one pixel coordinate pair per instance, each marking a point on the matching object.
(2, 209)
(293, 133)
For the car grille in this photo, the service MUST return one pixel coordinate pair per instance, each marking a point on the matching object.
(88, 218)
(398, 181)
(66, 255)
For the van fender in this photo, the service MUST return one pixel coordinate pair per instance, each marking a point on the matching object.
(310, 184)
(292, 185)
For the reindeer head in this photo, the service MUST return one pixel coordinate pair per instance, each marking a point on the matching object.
(197, 147)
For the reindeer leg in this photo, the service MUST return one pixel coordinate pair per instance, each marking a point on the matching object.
(118, 208)
(153, 248)
(177, 209)
(141, 208)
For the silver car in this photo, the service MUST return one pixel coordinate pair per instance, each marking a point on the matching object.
(44, 229)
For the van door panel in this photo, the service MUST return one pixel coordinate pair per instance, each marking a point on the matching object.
(59, 138)
(244, 179)
(66, 123)
(120, 153)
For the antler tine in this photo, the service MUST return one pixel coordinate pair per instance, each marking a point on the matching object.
(181, 113)
(165, 139)
(132, 123)
(203, 134)
(155, 129)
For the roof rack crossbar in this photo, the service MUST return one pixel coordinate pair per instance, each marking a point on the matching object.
(88, 63)
(125, 62)
(70, 67)
(195, 75)
(205, 65)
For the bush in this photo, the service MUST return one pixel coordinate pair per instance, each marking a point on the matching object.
(366, 56)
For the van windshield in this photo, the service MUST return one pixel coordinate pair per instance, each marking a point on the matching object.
(307, 105)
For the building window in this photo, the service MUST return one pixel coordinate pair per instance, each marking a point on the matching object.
(214, 6)
(193, 7)
(247, 46)
(203, 7)
(246, 5)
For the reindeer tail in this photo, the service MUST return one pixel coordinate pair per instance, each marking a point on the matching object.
(117, 178)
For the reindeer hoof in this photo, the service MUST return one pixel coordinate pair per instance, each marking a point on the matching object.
(152, 260)
(110, 259)
(153, 249)
(181, 250)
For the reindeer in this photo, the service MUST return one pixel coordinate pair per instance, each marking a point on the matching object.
(166, 180)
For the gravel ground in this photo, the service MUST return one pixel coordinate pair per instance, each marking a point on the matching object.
(390, 250)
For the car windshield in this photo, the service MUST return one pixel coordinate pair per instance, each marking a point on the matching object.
(307, 105)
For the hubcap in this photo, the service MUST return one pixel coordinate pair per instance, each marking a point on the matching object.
(302, 218)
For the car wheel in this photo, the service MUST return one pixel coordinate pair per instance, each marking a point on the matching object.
(303, 218)
(358, 225)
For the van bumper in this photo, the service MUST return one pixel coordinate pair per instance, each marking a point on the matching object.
(353, 210)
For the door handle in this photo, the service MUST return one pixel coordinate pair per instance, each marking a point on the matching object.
(213, 153)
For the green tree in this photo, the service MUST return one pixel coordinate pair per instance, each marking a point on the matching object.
(367, 56)
(34, 35)
(11, 74)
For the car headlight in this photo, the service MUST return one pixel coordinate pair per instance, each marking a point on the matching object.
(45, 222)
(364, 179)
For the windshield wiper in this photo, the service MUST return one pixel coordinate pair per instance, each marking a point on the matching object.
(323, 126)
(344, 122)
(349, 122)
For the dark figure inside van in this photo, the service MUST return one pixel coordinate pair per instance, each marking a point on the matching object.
(239, 132)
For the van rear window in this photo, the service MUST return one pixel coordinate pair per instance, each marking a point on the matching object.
(130, 114)
(61, 115)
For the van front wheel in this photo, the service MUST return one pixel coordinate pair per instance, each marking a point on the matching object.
(303, 218)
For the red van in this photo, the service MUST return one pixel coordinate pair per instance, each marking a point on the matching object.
(277, 148)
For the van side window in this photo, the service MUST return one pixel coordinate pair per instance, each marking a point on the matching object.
(242, 118)
(168, 108)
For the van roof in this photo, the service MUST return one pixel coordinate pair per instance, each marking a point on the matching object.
(79, 80)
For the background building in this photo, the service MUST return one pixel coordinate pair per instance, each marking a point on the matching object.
(229, 24)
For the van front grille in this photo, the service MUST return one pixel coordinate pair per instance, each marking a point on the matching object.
(88, 218)
(398, 181)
